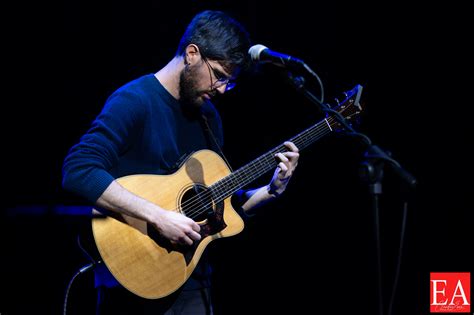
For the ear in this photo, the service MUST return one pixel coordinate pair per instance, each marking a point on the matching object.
(192, 54)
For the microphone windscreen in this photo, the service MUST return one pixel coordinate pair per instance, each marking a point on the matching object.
(255, 51)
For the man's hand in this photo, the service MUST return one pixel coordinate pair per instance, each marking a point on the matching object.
(177, 227)
(285, 169)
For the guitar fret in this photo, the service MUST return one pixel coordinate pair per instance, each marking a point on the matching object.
(228, 185)
(253, 170)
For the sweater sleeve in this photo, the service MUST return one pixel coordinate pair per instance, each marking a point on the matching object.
(238, 199)
(87, 164)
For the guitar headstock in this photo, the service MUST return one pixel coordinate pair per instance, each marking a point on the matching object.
(349, 108)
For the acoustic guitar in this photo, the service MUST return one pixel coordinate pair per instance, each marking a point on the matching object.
(152, 267)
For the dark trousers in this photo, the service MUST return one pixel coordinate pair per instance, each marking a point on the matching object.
(119, 301)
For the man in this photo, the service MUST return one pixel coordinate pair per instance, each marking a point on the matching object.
(146, 127)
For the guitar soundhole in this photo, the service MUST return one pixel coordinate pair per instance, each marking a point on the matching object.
(197, 203)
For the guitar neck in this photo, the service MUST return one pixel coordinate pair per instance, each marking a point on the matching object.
(266, 162)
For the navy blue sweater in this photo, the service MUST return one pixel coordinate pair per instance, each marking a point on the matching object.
(142, 129)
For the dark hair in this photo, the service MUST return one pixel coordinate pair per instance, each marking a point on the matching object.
(219, 37)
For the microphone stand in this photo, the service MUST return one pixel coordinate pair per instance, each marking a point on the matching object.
(370, 171)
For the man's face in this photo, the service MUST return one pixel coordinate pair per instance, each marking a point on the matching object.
(199, 83)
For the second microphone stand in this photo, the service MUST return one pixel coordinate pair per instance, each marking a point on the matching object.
(371, 168)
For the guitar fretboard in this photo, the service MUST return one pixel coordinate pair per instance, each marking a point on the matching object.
(267, 161)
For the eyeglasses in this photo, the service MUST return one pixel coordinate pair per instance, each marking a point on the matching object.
(221, 79)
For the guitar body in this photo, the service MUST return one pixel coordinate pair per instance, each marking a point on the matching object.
(137, 256)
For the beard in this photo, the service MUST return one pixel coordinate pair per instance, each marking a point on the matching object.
(189, 95)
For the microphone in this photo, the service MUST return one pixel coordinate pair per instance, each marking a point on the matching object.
(261, 53)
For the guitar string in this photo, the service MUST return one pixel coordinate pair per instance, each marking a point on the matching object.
(221, 190)
(208, 194)
(234, 178)
(221, 194)
(311, 132)
(266, 159)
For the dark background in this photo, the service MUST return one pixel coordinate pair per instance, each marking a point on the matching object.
(315, 248)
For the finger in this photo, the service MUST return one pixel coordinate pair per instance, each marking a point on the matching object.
(292, 155)
(285, 175)
(283, 167)
(282, 157)
(185, 240)
(196, 227)
(194, 235)
(290, 145)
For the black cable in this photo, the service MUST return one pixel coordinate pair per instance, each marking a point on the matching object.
(86, 253)
(399, 260)
(82, 270)
(321, 87)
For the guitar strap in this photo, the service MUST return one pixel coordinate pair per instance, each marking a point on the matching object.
(211, 139)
